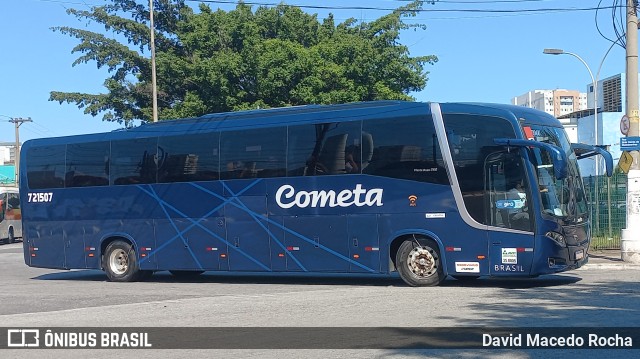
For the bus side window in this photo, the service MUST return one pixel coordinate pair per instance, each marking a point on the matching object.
(87, 164)
(324, 149)
(471, 144)
(133, 161)
(192, 157)
(46, 166)
(403, 148)
(13, 202)
(253, 153)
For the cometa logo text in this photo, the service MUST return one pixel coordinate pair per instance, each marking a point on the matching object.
(288, 197)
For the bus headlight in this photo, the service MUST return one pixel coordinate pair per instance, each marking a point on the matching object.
(557, 237)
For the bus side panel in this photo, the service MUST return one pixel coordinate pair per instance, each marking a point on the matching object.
(206, 238)
(93, 232)
(190, 234)
(249, 247)
(318, 243)
(142, 232)
(178, 246)
(75, 252)
(364, 244)
(511, 253)
(466, 248)
(45, 244)
(245, 211)
(281, 258)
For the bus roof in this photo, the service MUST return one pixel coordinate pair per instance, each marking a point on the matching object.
(296, 115)
(531, 116)
(307, 114)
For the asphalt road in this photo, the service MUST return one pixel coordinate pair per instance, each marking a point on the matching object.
(33, 297)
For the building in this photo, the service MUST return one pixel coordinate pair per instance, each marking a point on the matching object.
(557, 102)
(7, 153)
(7, 164)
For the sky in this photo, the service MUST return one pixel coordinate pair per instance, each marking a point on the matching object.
(483, 56)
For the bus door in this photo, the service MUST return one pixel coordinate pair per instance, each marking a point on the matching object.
(511, 226)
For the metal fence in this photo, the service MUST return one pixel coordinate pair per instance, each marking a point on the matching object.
(607, 197)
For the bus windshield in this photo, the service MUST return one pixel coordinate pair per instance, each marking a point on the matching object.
(562, 198)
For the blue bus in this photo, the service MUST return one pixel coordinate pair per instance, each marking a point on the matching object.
(426, 190)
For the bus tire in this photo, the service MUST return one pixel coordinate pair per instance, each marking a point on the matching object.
(120, 262)
(12, 237)
(418, 262)
(186, 273)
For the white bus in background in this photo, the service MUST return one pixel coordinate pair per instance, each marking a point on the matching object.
(10, 215)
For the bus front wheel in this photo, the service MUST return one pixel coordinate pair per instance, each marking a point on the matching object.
(120, 263)
(418, 262)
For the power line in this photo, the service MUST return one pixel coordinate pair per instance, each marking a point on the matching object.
(375, 8)
(69, 2)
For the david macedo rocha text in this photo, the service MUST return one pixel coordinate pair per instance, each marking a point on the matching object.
(540, 341)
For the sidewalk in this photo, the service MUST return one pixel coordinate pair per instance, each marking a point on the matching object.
(608, 259)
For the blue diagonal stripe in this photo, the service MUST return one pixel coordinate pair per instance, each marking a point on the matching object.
(197, 223)
(327, 249)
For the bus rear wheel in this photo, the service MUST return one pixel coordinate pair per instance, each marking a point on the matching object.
(418, 262)
(120, 262)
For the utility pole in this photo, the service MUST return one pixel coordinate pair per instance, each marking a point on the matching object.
(630, 241)
(17, 122)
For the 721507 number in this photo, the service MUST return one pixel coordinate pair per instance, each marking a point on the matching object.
(40, 197)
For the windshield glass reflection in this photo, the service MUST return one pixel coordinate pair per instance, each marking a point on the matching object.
(562, 198)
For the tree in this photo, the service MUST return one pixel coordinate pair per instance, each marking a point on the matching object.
(215, 61)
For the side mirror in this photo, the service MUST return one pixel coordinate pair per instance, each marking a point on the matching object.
(583, 151)
(558, 156)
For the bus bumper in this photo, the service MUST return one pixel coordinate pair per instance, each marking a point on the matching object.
(569, 258)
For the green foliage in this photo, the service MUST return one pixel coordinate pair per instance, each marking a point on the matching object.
(215, 61)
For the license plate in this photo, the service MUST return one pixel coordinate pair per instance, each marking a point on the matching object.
(579, 254)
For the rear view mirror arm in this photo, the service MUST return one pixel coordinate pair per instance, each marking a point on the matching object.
(558, 156)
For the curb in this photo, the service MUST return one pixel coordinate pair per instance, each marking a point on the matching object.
(610, 266)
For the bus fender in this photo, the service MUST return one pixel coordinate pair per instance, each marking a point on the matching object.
(398, 237)
(104, 241)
